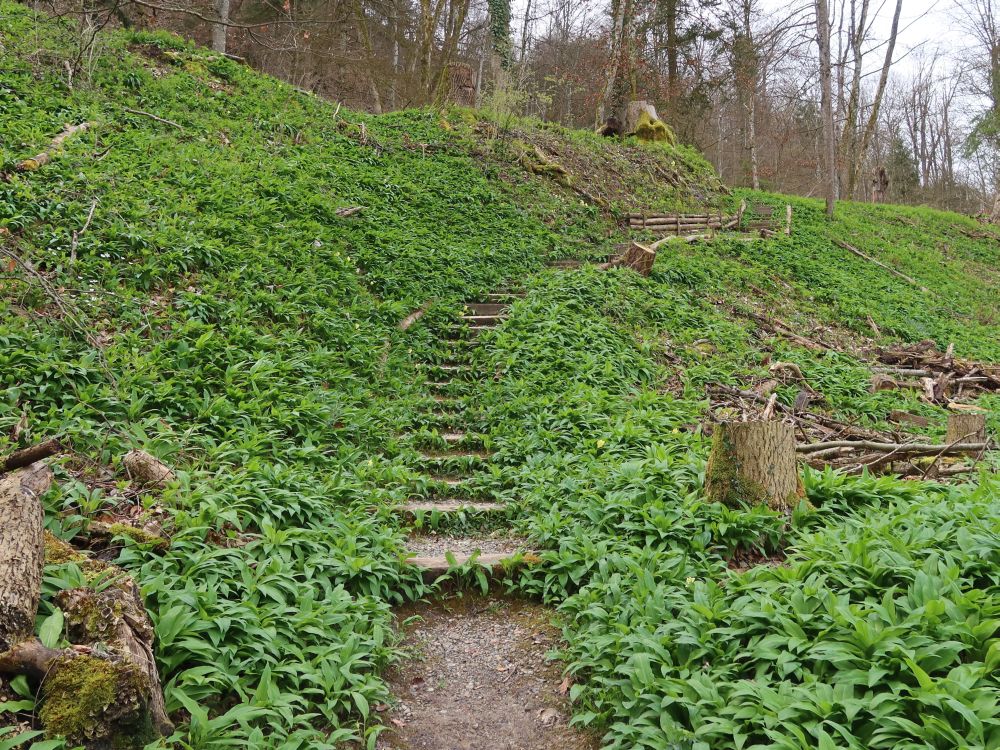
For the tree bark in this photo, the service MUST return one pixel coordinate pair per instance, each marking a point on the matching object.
(753, 463)
(21, 551)
(826, 107)
(966, 428)
(219, 30)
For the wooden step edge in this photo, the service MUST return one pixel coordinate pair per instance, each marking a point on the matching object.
(436, 566)
(483, 318)
(449, 506)
(430, 454)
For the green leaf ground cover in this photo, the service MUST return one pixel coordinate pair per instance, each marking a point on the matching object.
(247, 335)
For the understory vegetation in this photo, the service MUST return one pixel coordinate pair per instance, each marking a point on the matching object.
(186, 285)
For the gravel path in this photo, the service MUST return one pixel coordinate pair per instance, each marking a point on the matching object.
(434, 545)
(480, 680)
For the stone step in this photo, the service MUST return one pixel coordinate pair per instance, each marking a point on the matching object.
(439, 455)
(435, 566)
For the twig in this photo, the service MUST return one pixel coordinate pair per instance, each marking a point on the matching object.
(76, 235)
(941, 453)
(154, 117)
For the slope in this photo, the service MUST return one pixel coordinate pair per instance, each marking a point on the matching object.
(203, 300)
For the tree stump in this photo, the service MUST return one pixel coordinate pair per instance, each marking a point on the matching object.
(753, 463)
(104, 692)
(642, 121)
(637, 257)
(966, 428)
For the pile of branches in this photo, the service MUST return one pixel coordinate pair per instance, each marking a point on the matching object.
(940, 377)
(824, 441)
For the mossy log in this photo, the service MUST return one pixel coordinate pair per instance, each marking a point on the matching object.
(754, 463)
(104, 691)
(40, 160)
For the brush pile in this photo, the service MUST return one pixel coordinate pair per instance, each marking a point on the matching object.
(941, 378)
(826, 441)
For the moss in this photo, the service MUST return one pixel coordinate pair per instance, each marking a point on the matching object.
(139, 536)
(58, 552)
(649, 129)
(76, 693)
(96, 702)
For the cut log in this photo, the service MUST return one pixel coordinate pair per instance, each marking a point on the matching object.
(21, 551)
(146, 469)
(966, 428)
(27, 456)
(40, 160)
(754, 463)
(898, 415)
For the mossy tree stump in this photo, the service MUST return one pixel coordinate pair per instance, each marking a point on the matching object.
(104, 691)
(754, 463)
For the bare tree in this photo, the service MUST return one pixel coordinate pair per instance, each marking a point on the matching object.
(826, 106)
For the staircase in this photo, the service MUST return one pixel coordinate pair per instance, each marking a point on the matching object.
(457, 453)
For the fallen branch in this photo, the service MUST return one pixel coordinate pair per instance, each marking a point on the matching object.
(880, 264)
(154, 117)
(901, 448)
(413, 317)
(27, 456)
(349, 211)
(40, 160)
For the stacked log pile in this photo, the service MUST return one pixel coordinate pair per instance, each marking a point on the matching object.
(762, 221)
(682, 223)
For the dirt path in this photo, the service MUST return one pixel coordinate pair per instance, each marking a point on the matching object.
(479, 680)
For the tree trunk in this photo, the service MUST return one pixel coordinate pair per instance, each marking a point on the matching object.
(753, 463)
(966, 428)
(826, 109)
(219, 30)
(611, 102)
(870, 125)
(995, 215)
(21, 551)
